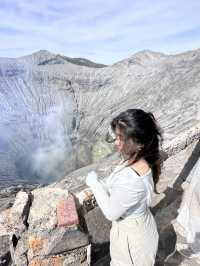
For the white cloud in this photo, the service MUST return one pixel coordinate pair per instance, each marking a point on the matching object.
(107, 30)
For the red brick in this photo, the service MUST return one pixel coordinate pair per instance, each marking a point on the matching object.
(66, 212)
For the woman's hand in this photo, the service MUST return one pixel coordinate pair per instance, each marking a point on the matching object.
(91, 178)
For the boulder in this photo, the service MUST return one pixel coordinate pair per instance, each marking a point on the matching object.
(42, 214)
(5, 256)
(65, 239)
(98, 226)
(20, 211)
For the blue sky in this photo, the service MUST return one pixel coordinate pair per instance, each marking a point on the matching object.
(102, 31)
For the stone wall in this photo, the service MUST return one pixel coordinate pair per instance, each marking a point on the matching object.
(44, 227)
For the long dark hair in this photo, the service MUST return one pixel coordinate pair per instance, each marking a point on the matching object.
(142, 138)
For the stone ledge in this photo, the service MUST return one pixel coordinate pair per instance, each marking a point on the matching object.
(77, 257)
(53, 261)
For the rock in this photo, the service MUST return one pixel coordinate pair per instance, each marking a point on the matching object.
(55, 261)
(36, 245)
(8, 194)
(77, 257)
(42, 215)
(65, 239)
(20, 210)
(19, 251)
(5, 256)
(98, 226)
(167, 214)
(167, 243)
(4, 243)
(5, 238)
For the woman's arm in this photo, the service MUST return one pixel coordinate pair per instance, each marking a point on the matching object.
(120, 199)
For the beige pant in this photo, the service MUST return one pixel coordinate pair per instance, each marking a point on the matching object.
(134, 241)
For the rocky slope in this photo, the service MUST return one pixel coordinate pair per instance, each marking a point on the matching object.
(53, 110)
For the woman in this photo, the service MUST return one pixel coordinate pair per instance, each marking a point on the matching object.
(125, 196)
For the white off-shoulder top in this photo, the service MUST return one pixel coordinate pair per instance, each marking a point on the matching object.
(123, 193)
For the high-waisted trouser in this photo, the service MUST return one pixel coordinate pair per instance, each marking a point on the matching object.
(134, 241)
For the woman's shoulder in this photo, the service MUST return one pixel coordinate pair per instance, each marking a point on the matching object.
(127, 175)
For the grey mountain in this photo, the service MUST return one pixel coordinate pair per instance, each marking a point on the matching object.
(53, 108)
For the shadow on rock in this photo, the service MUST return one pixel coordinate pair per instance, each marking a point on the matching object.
(167, 209)
(100, 254)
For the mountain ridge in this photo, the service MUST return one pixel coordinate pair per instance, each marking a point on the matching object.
(71, 106)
